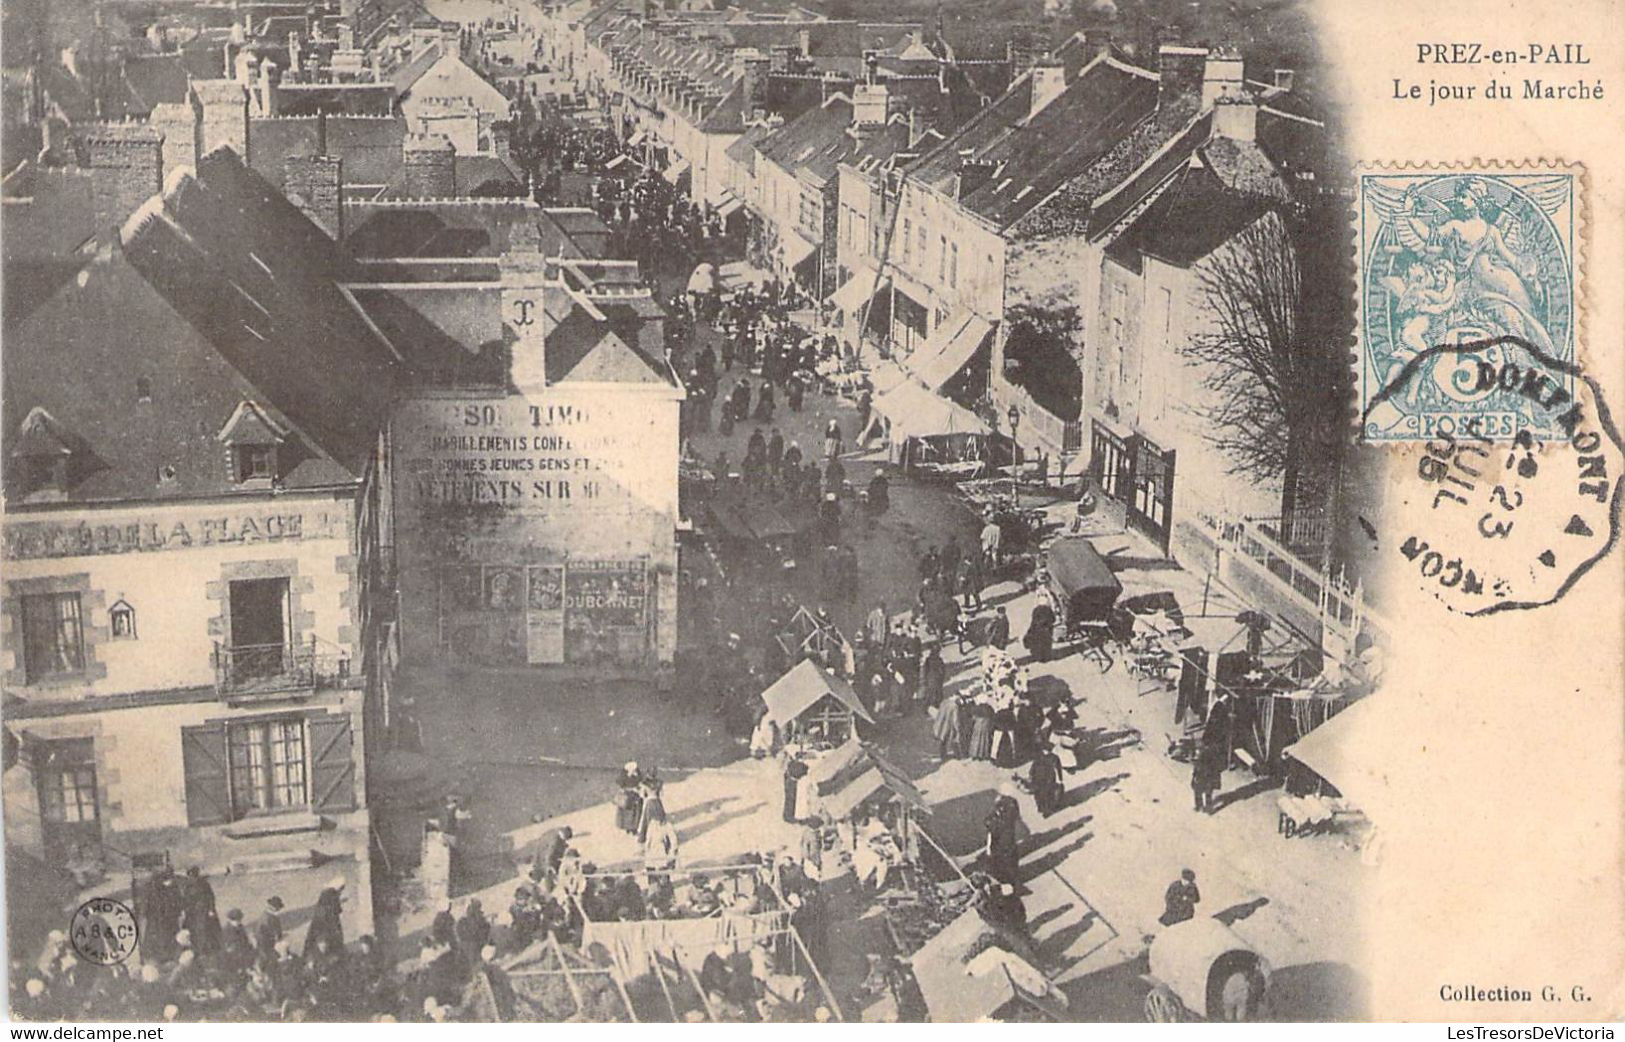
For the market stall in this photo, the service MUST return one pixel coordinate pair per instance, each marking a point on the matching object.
(807, 635)
(1348, 751)
(926, 430)
(811, 702)
(757, 534)
(965, 975)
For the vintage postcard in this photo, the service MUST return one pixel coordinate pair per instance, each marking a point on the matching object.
(810, 511)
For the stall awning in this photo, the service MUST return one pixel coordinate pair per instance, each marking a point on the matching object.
(617, 161)
(915, 412)
(796, 249)
(1352, 753)
(802, 687)
(856, 291)
(948, 348)
(637, 139)
(675, 172)
(961, 989)
(731, 204)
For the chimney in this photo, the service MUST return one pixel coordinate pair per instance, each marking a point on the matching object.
(780, 55)
(1049, 83)
(70, 60)
(1236, 118)
(126, 163)
(293, 54)
(869, 101)
(430, 164)
(1222, 78)
(502, 139)
(178, 123)
(523, 275)
(1180, 73)
(270, 77)
(871, 63)
(804, 42)
(247, 63)
(315, 184)
(1283, 79)
(222, 116)
(753, 86)
(451, 41)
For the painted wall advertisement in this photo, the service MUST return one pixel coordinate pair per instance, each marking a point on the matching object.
(582, 613)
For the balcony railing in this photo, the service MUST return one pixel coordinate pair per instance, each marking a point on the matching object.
(273, 670)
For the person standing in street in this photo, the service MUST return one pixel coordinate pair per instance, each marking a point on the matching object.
(998, 631)
(326, 923)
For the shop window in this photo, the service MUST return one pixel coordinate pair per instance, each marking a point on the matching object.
(121, 620)
(267, 765)
(53, 635)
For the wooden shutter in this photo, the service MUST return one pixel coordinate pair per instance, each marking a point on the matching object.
(203, 760)
(332, 762)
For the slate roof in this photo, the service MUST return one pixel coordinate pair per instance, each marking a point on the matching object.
(158, 79)
(49, 216)
(459, 229)
(111, 327)
(350, 99)
(259, 281)
(369, 145)
(408, 73)
(1194, 216)
(1032, 155)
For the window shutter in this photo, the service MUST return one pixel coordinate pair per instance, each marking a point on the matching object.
(332, 765)
(203, 761)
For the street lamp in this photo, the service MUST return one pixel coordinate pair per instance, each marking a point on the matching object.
(1014, 416)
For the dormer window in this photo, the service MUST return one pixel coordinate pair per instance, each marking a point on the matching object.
(41, 458)
(254, 462)
(254, 439)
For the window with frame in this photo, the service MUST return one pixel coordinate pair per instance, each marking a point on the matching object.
(121, 621)
(67, 782)
(924, 240)
(908, 238)
(953, 266)
(942, 258)
(254, 462)
(53, 635)
(268, 769)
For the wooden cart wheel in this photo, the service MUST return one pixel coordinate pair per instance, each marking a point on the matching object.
(1161, 1007)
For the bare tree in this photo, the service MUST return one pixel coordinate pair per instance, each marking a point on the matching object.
(1270, 357)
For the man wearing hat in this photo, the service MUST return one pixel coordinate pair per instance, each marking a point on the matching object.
(269, 931)
(236, 949)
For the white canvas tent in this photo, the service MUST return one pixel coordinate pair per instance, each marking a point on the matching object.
(1351, 752)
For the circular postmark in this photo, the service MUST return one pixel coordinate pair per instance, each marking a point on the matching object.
(1493, 519)
(103, 931)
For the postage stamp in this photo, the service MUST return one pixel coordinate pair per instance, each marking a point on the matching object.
(1450, 256)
